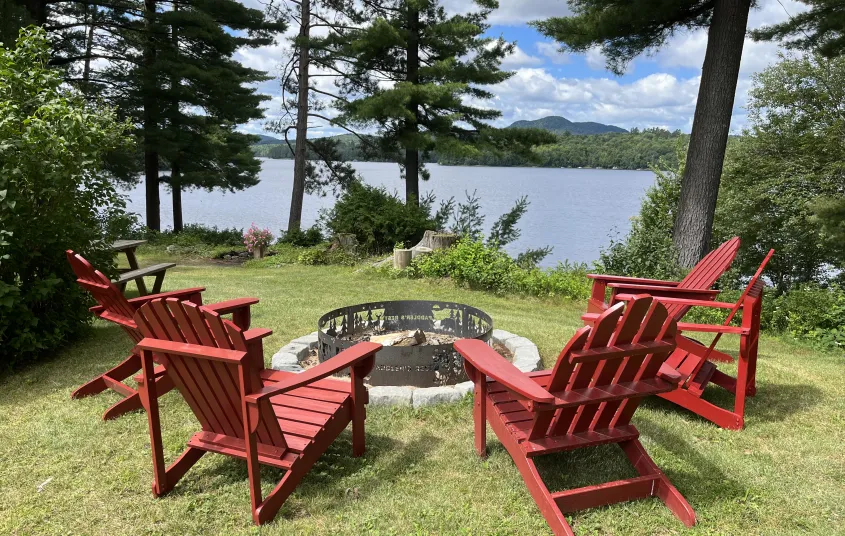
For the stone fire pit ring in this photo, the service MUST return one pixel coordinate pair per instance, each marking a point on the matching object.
(526, 358)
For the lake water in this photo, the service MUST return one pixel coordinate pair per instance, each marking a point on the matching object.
(573, 210)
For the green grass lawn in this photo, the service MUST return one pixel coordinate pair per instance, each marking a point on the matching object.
(784, 474)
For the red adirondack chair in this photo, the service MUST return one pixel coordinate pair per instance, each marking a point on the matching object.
(696, 285)
(693, 360)
(114, 307)
(588, 399)
(274, 418)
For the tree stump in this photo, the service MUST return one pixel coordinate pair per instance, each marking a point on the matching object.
(442, 240)
(419, 251)
(401, 258)
(345, 241)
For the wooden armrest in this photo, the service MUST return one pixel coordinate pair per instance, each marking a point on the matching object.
(488, 362)
(141, 300)
(345, 359)
(257, 333)
(669, 374)
(190, 350)
(711, 328)
(694, 303)
(634, 280)
(647, 289)
(230, 306)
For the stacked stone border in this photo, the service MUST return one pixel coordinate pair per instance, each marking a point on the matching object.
(526, 358)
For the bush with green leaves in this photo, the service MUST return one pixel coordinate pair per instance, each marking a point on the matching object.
(379, 219)
(298, 237)
(54, 196)
(477, 265)
(193, 234)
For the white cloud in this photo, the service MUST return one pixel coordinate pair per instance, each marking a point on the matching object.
(552, 52)
(514, 12)
(518, 58)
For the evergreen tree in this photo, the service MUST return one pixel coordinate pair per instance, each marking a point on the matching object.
(626, 28)
(416, 71)
(169, 68)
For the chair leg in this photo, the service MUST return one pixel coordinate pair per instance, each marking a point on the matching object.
(268, 509)
(133, 402)
(120, 372)
(664, 489)
(480, 415)
(177, 470)
(542, 497)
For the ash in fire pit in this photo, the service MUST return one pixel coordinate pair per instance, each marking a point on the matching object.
(417, 338)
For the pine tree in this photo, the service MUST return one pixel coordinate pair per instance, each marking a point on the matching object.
(416, 71)
(169, 68)
(625, 29)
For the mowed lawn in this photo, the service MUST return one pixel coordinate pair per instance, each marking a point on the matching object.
(784, 474)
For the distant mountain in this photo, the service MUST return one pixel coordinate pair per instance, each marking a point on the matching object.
(558, 124)
(268, 140)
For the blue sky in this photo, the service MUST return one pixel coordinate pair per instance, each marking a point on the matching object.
(658, 90)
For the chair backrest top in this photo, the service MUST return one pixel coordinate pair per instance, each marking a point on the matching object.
(621, 354)
(116, 307)
(213, 388)
(709, 269)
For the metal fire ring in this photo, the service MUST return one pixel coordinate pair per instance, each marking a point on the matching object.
(419, 366)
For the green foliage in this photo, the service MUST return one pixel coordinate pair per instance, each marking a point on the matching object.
(379, 219)
(819, 29)
(809, 312)
(782, 181)
(478, 266)
(300, 238)
(647, 249)
(323, 256)
(505, 230)
(634, 150)
(53, 197)
(192, 234)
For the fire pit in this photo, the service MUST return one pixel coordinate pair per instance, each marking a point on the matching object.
(417, 338)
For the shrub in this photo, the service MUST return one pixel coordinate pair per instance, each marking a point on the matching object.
(379, 219)
(486, 267)
(54, 196)
(193, 234)
(300, 238)
(319, 256)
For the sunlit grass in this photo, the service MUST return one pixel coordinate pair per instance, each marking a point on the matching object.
(784, 474)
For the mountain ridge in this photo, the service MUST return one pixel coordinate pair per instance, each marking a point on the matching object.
(558, 124)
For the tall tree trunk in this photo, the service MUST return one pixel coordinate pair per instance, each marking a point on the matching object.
(150, 123)
(89, 45)
(710, 129)
(175, 170)
(38, 11)
(412, 154)
(300, 152)
(176, 188)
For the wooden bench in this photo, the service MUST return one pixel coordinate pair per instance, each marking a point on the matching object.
(138, 275)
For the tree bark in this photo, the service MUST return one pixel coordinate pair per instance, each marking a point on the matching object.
(412, 154)
(175, 168)
(710, 129)
(89, 45)
(150, 123)
(300, 151)
(176, 189)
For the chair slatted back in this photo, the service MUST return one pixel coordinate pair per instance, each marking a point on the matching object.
(753, 292)
(115, 306)
(211, 387)
(708, 270)
(605, 368)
